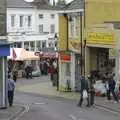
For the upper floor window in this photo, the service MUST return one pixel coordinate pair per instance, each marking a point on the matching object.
(44, 44)
(29, 21)
(52, 28)
(41, 16)
(21, 20)
(41, 28)
(52, 16)
(12, 20)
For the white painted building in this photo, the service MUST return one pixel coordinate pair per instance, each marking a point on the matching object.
(32, 26)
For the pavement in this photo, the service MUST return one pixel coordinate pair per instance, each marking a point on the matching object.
(101, 102)
(11, 113)
(43, 86)
(53, 108)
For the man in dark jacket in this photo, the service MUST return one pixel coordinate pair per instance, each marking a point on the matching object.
(111, 88)
(84, 87)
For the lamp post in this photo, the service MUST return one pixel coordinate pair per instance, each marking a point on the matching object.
(84, 55)
(81, 43)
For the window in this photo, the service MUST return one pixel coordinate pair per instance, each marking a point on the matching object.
(12, 20)
(41, 28)
(41, 16)
(29, 21)
(52, 28)
(52, 16)
(72, 29)
(38, 45)
(43, 44)
(50, 45)
(21, 21)
(55, 44)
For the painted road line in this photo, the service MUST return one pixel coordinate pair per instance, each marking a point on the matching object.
(107, 110)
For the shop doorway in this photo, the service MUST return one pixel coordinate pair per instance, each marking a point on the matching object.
(100, 63)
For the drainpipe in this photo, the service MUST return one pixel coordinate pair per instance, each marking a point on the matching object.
(81, 43)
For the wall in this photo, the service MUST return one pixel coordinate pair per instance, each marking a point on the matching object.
(101, 11)
(2, 17)
(17, 12)
(46, 21)
(63, 31)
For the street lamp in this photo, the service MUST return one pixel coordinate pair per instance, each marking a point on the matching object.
(84, 55)
(81, 43)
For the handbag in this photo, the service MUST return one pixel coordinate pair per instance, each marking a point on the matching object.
(85, 94)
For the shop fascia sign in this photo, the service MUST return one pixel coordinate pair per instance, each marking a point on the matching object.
(103, 38)
(101, 34)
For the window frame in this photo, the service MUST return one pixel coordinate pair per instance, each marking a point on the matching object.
(13, 23)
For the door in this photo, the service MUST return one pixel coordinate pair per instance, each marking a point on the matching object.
(77, 72)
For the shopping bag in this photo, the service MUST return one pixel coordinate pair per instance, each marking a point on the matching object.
(85, 94)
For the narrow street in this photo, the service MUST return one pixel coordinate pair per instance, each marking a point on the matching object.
(54, 108)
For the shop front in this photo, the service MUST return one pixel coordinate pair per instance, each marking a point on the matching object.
(98, 51)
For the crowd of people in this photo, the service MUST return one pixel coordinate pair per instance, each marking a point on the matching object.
(46, 67)
(87, 85)
(88, 91)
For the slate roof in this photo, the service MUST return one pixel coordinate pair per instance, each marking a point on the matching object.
(76, 4)
(43, 4)
(19, 4)
(40, 4)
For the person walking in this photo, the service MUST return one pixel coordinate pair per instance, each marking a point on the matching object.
(11, 88)
(111, 89)
(15, 75)
(84, 92)
(91, 90)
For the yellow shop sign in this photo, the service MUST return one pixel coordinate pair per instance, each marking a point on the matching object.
(101, 38)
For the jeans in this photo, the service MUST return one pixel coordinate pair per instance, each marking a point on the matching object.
(113, 94)
(81, 99)
(10, 97)
(92, 97)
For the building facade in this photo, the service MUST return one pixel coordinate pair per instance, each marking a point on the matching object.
(32, 26)
(91, 39)
(101, 24)
(70, 32)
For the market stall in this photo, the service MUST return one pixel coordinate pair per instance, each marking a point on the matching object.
(20, 54)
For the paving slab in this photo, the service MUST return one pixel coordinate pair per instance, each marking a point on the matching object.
(11, 112)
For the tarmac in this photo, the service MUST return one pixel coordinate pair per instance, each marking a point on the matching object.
(46, 88)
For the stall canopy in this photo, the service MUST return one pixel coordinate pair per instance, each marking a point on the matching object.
(20, 54)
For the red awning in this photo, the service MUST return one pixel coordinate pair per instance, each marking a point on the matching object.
(47, 54)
